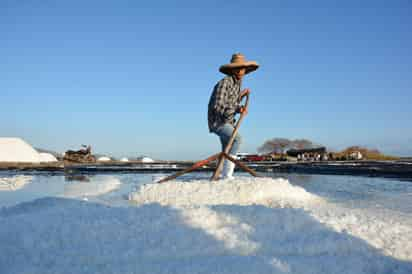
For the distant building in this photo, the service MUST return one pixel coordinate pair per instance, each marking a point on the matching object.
(355, 155)
(307, 152)
(242, 155)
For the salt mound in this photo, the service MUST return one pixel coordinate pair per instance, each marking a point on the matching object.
(145, 160)
(104, 159)
(199, 201)
(47, 157)
(241, 191)
(14, 183)
(17, 150)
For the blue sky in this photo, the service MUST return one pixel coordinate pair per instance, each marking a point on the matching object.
(134, 77)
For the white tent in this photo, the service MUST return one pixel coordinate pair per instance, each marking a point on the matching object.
(17, 150)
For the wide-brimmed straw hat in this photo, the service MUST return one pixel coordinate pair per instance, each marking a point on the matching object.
(238, 61)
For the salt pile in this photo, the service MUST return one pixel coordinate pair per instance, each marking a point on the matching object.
(145, 160)
(18, 151)
(243, 191)
(195, 198)
(103, 159)
(46, 157)
(174, 229)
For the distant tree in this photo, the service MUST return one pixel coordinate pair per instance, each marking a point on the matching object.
(367, 153)
(302, 144)
(277, 145)
(281, 145)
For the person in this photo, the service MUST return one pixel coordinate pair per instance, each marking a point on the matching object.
(225, 103)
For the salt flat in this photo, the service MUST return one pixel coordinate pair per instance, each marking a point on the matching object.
(242, 226)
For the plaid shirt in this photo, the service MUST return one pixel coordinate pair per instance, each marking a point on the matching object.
(224, 102)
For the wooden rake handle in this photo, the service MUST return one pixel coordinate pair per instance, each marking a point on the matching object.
(195, 166)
